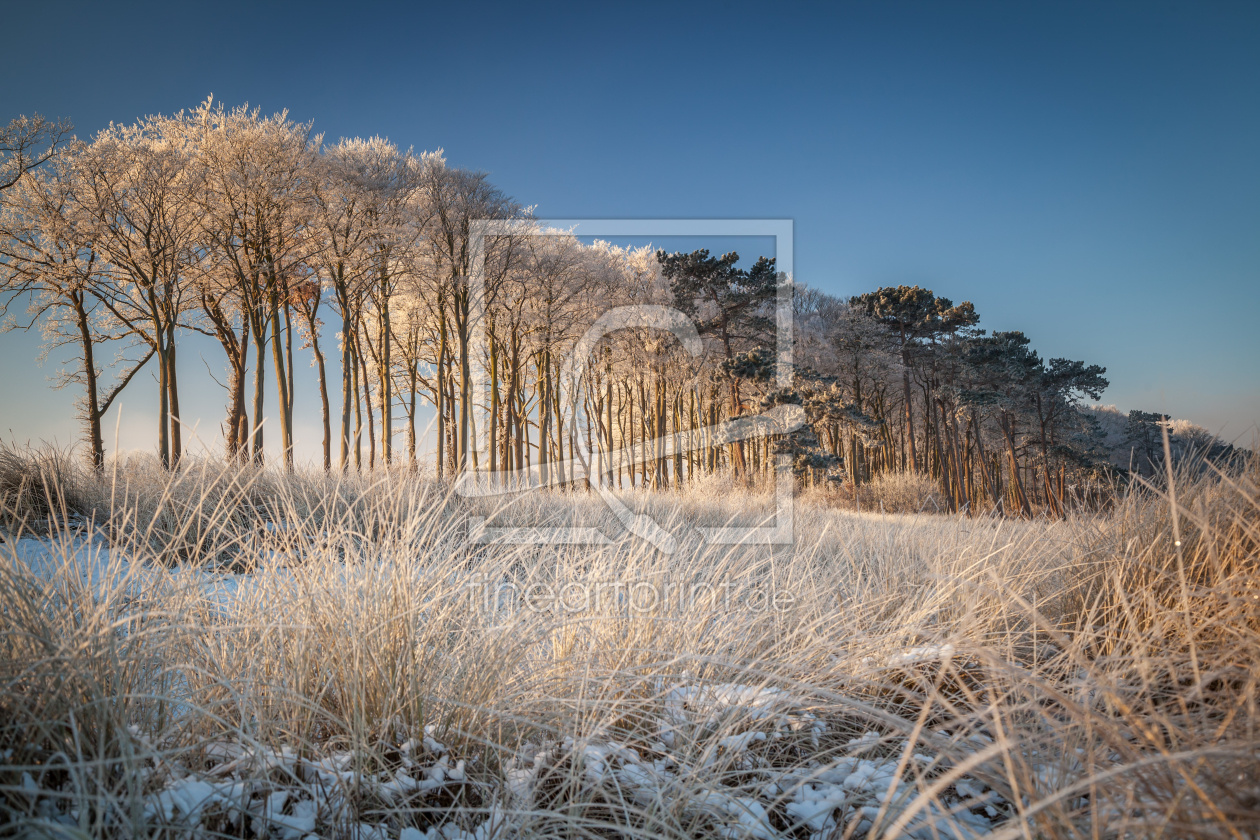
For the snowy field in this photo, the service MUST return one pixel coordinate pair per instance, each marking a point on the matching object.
(253, 655)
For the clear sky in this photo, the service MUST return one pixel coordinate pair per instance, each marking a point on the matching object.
(1087, 173)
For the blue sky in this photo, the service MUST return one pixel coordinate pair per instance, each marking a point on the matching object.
(1086, 173)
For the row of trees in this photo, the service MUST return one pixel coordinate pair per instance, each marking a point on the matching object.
(252, 230)
(982, 413)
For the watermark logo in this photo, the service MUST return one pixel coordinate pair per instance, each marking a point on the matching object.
(495, 598)
(782, 419)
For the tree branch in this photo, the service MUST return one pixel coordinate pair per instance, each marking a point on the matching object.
(117, 389)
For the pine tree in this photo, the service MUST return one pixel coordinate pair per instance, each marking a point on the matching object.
(727, 303)
(913, 315)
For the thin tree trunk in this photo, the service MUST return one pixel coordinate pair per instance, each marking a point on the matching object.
(558, 423)
(1017, 485)
(288, 358)
(465, 393)
(544, 410)
(493, 432)
(608, 396)
(367, 407)
(349, 391)
(737, 447)
(164, 451)
(260, 369)
(412, 374)
(387, 379)
(172, 384)
(93, 416)
(912, 459)
(238, 441)
(442, 408)
(358, 414)
(282, 385)
(323, 399)
(512, 399)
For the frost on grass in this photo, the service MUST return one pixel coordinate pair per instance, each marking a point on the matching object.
(731, 760)
(423, 792)
(361, 669)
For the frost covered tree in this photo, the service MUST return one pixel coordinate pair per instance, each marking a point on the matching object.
(863, 366)
(396, 215)
(251, 205)
(49, 261)
(135, 189)
(342, 222)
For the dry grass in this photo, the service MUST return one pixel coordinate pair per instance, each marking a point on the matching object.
(292, 639)
(891, 492)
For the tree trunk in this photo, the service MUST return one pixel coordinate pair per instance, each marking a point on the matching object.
(288, 359)
(323, 399)
(367, 408)
(1051, 501)
(544, 411)
(260, 368)
(347, 363)
(387, 379)
(172, 384)
(608, 397)
(92, 418)
(1017, 486)
(737, 447)
(282, 385)
(516, 409)
(238, 422)
(492, 438)
(465, 393)
(990, 488)
(912, 460)
(411, 416)
(164, 447)
(558, 423)
(442, 408)
(358, 412)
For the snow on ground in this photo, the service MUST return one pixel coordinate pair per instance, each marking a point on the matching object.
(281, 795)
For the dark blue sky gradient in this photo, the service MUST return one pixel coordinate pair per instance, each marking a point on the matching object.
(1085, 173)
